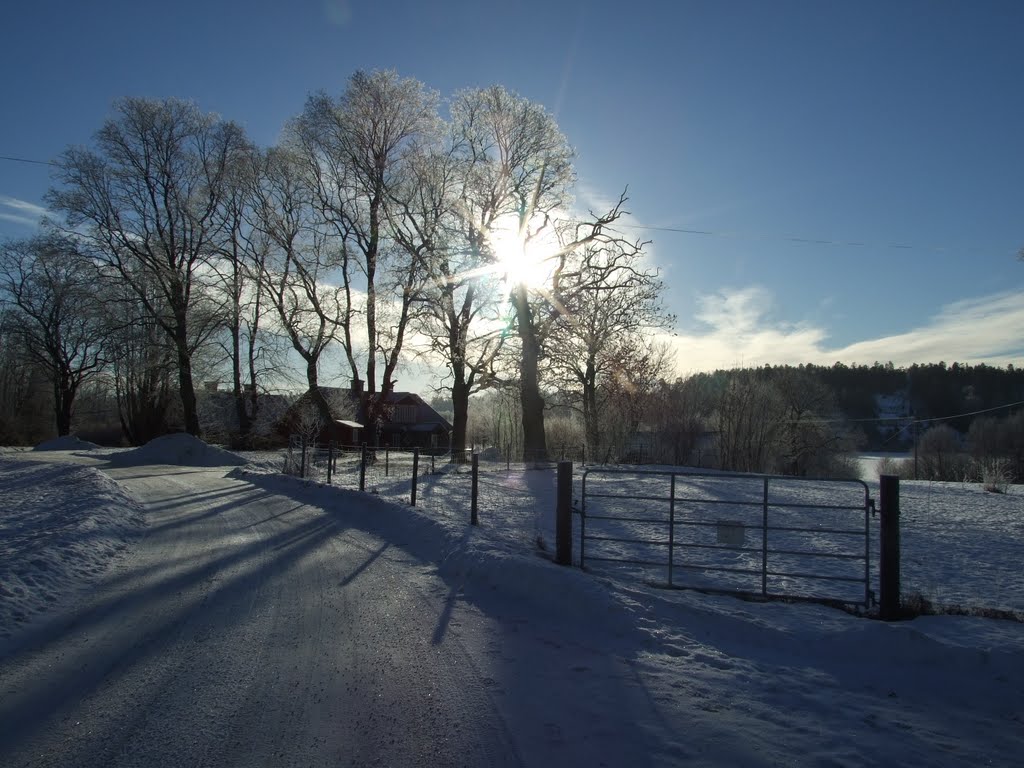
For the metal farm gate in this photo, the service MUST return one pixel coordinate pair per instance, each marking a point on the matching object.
(756, 535)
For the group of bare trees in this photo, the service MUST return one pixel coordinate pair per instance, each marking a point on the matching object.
(373, 231)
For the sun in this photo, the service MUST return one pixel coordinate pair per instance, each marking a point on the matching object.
(522, 261)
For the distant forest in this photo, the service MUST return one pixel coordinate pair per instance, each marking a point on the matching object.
(935, 392)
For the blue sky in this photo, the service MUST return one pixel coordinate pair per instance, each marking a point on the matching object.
(882, 123)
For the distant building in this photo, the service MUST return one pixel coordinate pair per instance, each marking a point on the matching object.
(398, 419)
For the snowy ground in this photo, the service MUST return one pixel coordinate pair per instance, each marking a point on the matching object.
(719, 681)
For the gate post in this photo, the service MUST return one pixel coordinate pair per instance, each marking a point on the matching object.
(889, 538)
(473, 518)
(362, 469)
(415, 473)
(563, 514)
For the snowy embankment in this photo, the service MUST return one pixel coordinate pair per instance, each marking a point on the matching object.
(60, 527)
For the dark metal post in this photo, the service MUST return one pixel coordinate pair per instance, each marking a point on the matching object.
(889, 536)
(330, 461)
(432, 469)
(764, 542)
(362, 469)
(415, 473)
(473, 517)
(563, 514)
(671, 528)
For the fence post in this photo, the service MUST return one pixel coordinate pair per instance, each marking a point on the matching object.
(330, 461)
(362, 469)
(302, 465)
(563, 514)
(387, 460)
(889, 538)
(415, 473)
(473, 518)
(671, 528)
(764, 542)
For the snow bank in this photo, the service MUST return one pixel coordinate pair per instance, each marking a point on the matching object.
(180, 450)
(66, 443)
(60, 527)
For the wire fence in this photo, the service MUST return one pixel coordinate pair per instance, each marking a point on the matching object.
(960, 545)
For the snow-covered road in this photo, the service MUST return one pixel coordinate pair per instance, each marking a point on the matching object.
(248, 629)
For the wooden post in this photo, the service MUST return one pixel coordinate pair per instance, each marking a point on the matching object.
(415, 472)
(473, 517)
(889, 537)
(387, 460)
(563, 514)
(330, 461)
(362, 469)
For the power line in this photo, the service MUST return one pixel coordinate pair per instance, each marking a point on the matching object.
(910, 420)
(705, 232)
(27, 160)
(796, 239)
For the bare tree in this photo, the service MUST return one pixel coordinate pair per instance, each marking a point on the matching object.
(357, 152)
(53, 308)
(460, 300)
(600, 343)
(300, 262)
(23, 393)
(750, 418)
(242, 293)
(147, 200)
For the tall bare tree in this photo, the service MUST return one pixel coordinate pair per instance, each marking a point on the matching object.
(301, 262)
(358, 150)
(600, 344)
(147, 199)
(48, 290)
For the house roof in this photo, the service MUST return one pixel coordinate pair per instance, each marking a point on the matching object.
(427, 419)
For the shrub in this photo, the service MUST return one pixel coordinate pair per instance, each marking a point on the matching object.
(996, 475)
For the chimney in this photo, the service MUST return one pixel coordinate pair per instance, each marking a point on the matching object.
(357, 386)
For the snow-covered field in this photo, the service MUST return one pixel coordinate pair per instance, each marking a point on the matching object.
(738, 683)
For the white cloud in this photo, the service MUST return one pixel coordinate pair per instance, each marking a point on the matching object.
(20, 211)
(742, 332)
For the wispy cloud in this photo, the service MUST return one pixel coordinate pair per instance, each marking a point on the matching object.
(20, 211)
(742, 332)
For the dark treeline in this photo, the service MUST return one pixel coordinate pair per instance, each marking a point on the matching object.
(952, 393)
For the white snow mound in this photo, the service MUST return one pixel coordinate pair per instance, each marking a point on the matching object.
(60, 528)
(66, 443)
(180, 450)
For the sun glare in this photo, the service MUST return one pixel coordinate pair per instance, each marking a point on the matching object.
(520, 262)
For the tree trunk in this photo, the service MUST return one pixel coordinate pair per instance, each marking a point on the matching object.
(460, 417)
(241, 409)
(591, 417)
(186, 387)
(322, 406)
(534, 440)
(64, 396)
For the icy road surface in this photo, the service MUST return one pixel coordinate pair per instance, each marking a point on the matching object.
(246, 628)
